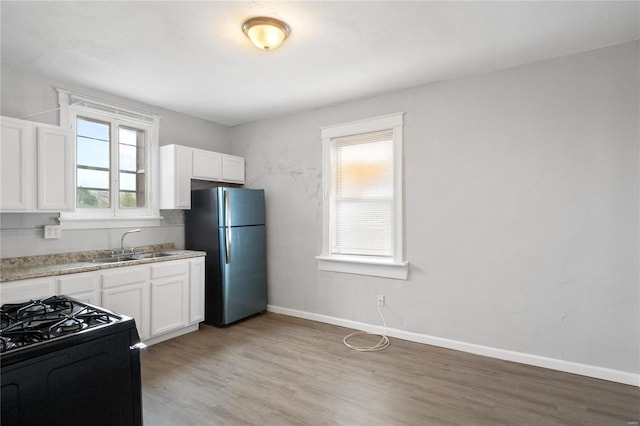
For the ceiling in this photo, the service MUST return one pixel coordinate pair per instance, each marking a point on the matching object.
(192, 57)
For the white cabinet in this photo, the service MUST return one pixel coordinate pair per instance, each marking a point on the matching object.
(207, 165)
(232, 168)
(37, 167)
(84, 286)
(166, 299)
(169, 296)
(17, 165)
(56, 183)
(179, 164)
(125, 290)
(196, 290)
(175, 177)
(25, 290)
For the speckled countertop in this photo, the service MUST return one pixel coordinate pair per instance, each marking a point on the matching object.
(22, 268)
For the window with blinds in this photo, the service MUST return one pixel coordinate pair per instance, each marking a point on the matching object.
(362, 224)
(363, 194)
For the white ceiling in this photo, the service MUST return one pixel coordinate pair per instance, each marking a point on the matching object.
(192, 57)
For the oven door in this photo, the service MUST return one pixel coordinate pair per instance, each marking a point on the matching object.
(95, 382)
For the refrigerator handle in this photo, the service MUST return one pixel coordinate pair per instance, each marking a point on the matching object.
(227, 223)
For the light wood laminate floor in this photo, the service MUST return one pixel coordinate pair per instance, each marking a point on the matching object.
(279, 370)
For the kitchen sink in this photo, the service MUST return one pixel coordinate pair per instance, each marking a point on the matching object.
(151, 255)
(131, 257)
(114, 259)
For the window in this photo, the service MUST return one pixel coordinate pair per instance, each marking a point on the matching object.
(362, 176)
(115, 153)
(94, 164)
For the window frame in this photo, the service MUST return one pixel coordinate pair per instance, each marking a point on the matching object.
(396, 265)
(73, 106)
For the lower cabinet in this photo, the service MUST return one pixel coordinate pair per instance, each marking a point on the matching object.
(162, 297)
(126, 291)
(21, 291)
(84, 286)
(166, 299)
(169, 296)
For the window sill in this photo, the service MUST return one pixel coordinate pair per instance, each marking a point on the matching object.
(109, 222)
(364, 266)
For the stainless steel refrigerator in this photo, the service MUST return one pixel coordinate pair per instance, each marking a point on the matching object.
(228, 223)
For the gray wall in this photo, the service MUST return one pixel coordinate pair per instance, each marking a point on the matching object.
(521, 193)
(25, 93)
(521, 197)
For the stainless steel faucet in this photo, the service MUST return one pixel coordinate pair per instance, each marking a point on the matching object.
(122, 251)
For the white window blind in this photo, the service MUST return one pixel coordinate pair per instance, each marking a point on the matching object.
(363, 194)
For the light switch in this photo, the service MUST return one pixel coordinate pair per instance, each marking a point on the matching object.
(52, 231)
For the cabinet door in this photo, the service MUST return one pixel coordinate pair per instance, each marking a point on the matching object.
(196, 290)
(175, 177)
(232, 168)
(183, 177)
(25, 290)
(169, 296)
(17, 172)
(169, 304)
(206, 165)
(84, 287)
(126, 291)
(130, 300)
(56, 183)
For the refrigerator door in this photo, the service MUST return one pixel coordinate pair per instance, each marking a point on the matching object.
(244, 272)
(240, 207)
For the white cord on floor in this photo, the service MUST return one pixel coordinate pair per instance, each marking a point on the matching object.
(382, 344)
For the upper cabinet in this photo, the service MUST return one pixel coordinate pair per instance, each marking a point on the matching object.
(56, 183)
(207, 165)
(179, 164)
(175, 177)
(16, 158)
(37, 167)
(232, 168)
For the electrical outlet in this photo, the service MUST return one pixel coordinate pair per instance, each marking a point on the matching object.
(52, 231)
(380, 300)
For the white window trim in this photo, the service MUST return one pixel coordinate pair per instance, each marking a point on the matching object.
(396, 266)
(73, 104)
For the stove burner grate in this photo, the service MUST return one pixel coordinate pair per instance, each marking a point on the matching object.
(23, 324)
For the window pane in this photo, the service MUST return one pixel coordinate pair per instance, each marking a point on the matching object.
(364, 227)
(128, 200)
(92, 198)
(128, 181)
(97, 179)
(132, 167)
(129, 136)
(93, 129)
(365, 170)
(92, 163)
(128, 158)
(92, 152)
(363, 195)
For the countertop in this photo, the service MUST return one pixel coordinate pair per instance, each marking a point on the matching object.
(22, 268)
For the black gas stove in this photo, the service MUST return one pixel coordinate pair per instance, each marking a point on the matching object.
(69, 362)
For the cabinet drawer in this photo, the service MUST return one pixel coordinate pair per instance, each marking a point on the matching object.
(25, 290)
(168, 269)
(77, 283)
(124, 276)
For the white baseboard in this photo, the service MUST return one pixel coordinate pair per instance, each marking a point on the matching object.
(522, 358)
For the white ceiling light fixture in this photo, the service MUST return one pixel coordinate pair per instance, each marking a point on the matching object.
(266, 33)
